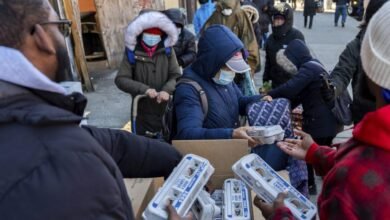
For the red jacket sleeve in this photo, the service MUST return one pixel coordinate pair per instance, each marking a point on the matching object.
(321, 157)
(282, 213)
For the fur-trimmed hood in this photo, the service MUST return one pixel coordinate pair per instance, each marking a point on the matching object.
(294, 56)
(285, 63)
(151, 19)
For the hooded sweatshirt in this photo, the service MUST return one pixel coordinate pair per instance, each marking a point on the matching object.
(239, 24)
(356, 182)
(225, 103)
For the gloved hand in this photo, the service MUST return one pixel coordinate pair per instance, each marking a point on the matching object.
(328, 90)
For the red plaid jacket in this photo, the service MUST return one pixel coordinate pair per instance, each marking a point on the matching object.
(357, 175)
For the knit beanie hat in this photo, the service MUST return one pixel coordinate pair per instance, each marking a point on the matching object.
(155, 31)
(375, 51)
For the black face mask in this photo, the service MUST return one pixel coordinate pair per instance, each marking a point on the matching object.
(63, 69)
(203, 1)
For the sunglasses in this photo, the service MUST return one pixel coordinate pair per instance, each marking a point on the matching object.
(64, 25)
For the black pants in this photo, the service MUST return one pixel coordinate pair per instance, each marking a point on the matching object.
(323, 142)
(310, 22)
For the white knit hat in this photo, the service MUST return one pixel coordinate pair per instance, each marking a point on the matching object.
(375, 51)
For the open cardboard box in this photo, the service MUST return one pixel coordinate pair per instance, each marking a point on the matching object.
(222, 154)
(141, 192)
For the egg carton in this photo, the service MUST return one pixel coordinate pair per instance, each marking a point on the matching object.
(217, 196)
(182, 187)
(236, 200)
(205, 208)
(267, 184)
(267, 134)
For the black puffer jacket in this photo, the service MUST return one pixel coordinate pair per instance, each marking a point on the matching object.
(279, 39)
(272, 70)
(350, 68)
(304, 88)
(185, 48)
(51, 168)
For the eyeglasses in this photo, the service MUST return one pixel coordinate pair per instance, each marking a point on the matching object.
(64, 25)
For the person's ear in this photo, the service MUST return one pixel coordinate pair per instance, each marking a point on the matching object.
(43, 41)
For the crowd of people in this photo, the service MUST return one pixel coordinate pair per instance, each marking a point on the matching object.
(53, 168)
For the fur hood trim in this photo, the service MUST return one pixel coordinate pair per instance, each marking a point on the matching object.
(285, 63)
(148, 20)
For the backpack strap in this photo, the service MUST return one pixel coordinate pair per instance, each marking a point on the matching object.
(202, 94)
(130, 56)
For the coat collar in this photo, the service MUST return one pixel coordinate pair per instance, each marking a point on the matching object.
(38, 107)
(374, 129)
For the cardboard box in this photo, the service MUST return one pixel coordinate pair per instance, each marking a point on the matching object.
(222, 154)
(141, 192)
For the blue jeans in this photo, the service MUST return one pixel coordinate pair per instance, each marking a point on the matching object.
(340, 9)
(271, 154)
(265, 37)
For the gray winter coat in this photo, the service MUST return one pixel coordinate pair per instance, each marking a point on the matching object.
(350, 68)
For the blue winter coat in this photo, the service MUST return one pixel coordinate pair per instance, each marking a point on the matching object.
(304, 88)
(225, 103)
(201, 16)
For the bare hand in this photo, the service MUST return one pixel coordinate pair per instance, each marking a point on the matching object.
(152, 93)
(172, 214)
(162, 97)
(297, 148)
(241, 133)
(268, 209)
(267, 98)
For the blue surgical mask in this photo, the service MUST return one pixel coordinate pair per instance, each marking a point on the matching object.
(151, 39)
(225, 77)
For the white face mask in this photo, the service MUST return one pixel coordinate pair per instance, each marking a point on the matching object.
(151, 39)
(227, 11)
(226, 77)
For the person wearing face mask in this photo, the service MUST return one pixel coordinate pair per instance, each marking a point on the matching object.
(149, 67)
(230, 14)
(51, 167)
(283, 33)
(357, 177)
(219, 58)
(185, 48)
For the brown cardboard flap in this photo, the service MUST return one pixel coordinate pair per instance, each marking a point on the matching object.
(140, 192)
(222, 154)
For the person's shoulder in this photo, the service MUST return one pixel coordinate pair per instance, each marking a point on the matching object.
(188, 34)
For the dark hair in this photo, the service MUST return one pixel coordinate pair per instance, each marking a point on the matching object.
(372, 7)
(18, 18)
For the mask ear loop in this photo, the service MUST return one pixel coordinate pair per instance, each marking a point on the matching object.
(386, 95)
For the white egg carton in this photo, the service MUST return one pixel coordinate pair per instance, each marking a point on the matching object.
(217, 196)
(205, 208)
(236, 200)
(267, 134)
(267, 184)
(182, 188)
